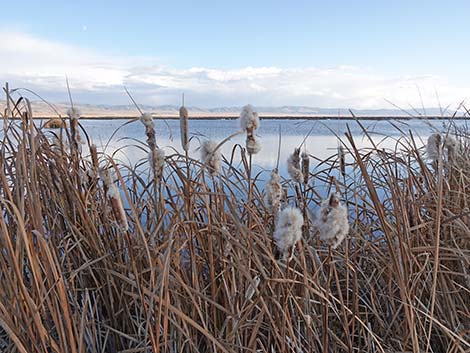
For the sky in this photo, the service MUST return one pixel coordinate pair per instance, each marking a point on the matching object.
(329, 54)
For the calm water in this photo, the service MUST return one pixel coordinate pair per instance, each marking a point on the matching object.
(123, 141)
(321, 142)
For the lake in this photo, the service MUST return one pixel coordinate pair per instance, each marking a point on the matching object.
(321, 143)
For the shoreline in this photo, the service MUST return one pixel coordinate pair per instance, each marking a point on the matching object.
(267, 117)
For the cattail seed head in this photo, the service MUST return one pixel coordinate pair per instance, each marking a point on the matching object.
(342, 160)
(157, 161)
(94, 157)
(305, 167)
(288, 230)
(147, 119)
(114, 196)
(273, 193)
(249, 119)
(332, 221)
(433, 147)
(184, 129)
(452, 146)
(211, 157)
(439, 146)
(253, 145)
(293, 166)
(249, 122)
(73, 113)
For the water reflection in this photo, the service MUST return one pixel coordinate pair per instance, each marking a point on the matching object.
(126, 142)
(322, 143)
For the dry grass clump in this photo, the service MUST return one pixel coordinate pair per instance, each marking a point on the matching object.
(194, 268)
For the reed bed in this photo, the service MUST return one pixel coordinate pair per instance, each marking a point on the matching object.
(183, 261)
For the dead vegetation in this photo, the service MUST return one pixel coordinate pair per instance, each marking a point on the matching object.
(191, 264)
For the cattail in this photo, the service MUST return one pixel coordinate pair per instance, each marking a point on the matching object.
(93, 172)
(451, 145)
(438, 143)
(249, 122)
(305, 167)
(74, 115)
(288, 230)
(147, 119)
(114, 197)
(273, 192)
(184, 116)
(332, 221)
(433, 147)
(253, 145)
(156, 155)
(157, 161)
(249, 119)
(342, 160)
(293, 166)
(211, 157)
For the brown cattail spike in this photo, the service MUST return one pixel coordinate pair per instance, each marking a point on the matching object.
(184, 129)
(305, 167)
(342, 161)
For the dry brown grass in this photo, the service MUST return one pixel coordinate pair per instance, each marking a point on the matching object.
(183, 277)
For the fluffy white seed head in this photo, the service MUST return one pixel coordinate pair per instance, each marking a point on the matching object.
(293, 166)
(253, 145)
(249, 119)
(211, 157)
(147, 119)
(273, 193)
(452, 146)
(157, 161)
(433, 146)
(288, 229)
(332, 221)
(73, 113)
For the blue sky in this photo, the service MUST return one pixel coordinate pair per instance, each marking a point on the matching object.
(260, 47)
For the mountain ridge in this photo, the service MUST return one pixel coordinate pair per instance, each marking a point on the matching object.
(41, 109)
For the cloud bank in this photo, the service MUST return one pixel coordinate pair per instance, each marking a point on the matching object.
(97, 78)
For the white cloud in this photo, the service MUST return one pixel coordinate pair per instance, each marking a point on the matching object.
(42, 65)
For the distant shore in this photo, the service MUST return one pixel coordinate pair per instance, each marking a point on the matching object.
(271, 117)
